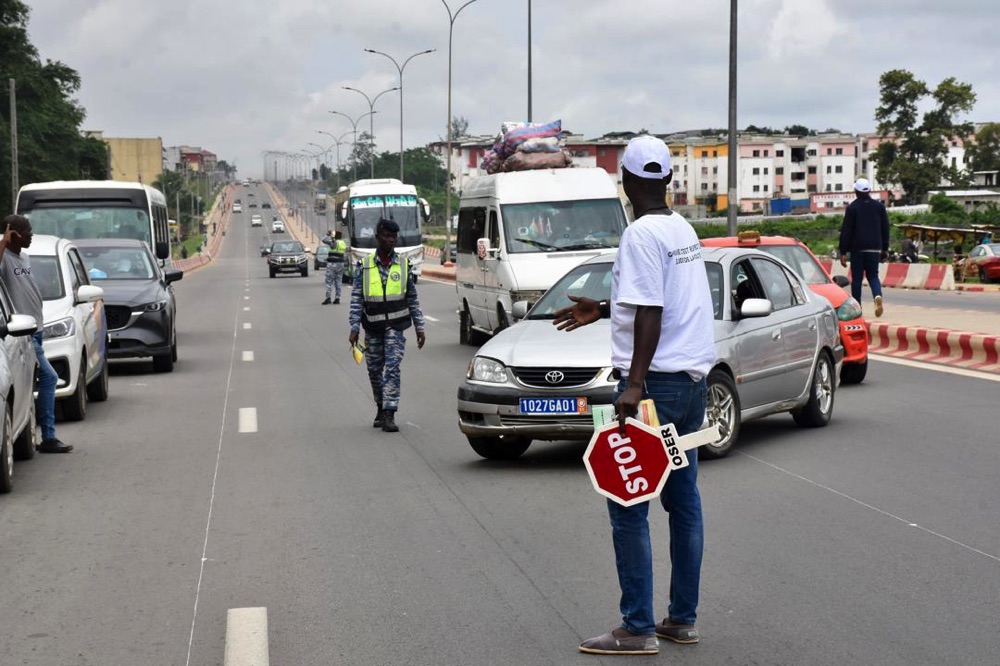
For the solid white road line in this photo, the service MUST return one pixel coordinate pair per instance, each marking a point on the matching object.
(248, 419)
(938, 367)
(247, 326)
(248, 356)
(429, 318)
(246, 637)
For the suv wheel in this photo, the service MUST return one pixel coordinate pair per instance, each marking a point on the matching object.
(97, 390)
(74, 408)
(500, 448)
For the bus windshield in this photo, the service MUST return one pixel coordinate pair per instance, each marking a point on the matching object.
(400, 208)
(85, 221)
(563, 225)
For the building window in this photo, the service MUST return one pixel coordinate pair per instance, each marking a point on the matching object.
(953, 161)
(798, 176)
(839, 169)
(828, 187)
(756, 153)
(715, 171)
(756, 188)
(766, 170)
(779, 153)
(829, 169)
(766, 152)
(704, 171)
(715, 153)
(839, 187)
(756, 171)
(812, 170)
(779, 171)
(811, 152)
(840, 151)
(704, 187)
(812, 188)
(704, 153)
(765, 188)
(829, 204)
(829, 151)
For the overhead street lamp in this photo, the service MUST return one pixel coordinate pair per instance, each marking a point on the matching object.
(400, 69)
(447, 202)
(732, 202)
(337, 141)
(371, 120)
(354, 126)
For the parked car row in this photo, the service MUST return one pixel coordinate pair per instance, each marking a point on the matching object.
(101, 300)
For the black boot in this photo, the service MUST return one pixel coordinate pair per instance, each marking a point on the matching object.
(379, 418)
(326, 301)
(390, 421)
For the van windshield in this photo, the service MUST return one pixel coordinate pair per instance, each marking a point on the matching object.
(86, 221)
(559, 226)
(400, 208)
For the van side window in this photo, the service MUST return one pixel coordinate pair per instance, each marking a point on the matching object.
(471, 227)
(494, 229)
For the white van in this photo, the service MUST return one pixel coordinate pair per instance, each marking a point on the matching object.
(519, 232)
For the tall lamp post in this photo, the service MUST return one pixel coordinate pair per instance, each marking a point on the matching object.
(322, 151)
(354, 126)
(400, 69)
(371, 120)
(732, 202)
(337, 141)
(447, 202)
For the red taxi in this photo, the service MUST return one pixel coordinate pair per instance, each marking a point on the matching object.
(853, 330)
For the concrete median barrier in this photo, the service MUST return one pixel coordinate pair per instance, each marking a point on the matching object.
(972, 351)
(937, 277)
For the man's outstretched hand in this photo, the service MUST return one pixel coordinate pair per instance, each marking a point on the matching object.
(583, 311)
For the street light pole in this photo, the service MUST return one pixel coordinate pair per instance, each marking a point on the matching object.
(371, 121)
(529, 61)
(354, 126)
(337, 142)
(447, 203)
(400, 69)
(733, 193)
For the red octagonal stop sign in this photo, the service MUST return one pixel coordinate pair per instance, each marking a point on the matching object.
(628, 469)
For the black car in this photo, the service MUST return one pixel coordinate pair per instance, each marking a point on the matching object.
(138, 300)
(266, 204)
(288, 257)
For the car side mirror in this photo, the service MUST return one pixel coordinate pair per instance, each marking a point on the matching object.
(172, 275)
(20, 325)
(520, 309)
(841, 281)
(756, 307)
(308, 250)
(88, 293)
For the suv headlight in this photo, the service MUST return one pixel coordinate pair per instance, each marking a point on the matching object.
(301, 259)
(155, 306)
(61, 328)
(849, 309)
(484, 369)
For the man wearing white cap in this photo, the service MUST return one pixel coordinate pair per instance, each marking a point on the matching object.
(662, 347)
(865, 236)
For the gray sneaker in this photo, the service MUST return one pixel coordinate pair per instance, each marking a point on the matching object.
(620, 641)
(677, 632)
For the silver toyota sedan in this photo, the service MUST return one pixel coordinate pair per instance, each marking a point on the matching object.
(778, 348)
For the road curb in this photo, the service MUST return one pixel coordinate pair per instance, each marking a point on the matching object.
(973, 351)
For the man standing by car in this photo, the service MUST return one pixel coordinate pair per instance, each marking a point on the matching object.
(334, 264)
(384, 302)
(15, 271)
(662, 347)
(865, 235)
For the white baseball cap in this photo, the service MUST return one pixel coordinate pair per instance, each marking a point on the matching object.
(862, 185)
(647, 157)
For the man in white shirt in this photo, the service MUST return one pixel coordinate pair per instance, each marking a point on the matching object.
(662, 347)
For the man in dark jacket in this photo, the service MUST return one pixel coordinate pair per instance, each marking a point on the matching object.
(865, 236)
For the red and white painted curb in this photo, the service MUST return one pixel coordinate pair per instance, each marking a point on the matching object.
(938, 277)
(972, 351)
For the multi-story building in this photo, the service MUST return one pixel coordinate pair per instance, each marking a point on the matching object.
(133, 159)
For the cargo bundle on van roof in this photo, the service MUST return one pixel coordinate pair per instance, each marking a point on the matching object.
(526, 146)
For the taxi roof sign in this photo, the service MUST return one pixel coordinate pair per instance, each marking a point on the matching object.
(749, 237)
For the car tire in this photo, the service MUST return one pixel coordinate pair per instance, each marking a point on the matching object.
(6, 454)
(173, 349)
(500, 448)
(163, 363)
(305, 272)
(272, 273)
(24, 445)
(723, 407)
(817, 412)
(97, 390)
(466, 334)
(983, 277)
(853, 373)
(74, 408)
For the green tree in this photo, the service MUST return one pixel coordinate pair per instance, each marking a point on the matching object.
(799, 130)
(914, 148)
(947, 212)
(984, 154)
(50, 146)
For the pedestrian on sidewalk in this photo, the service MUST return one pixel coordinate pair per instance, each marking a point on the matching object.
(384, 301)
(15, 272)
(661, 348)
(864, 235)
(334, 264)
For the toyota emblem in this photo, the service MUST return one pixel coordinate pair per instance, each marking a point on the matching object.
(554, 377)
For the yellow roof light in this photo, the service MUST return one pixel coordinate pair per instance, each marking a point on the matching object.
(748, 238)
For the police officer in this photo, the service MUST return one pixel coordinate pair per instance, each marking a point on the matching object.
(334, 264)
(384, 302)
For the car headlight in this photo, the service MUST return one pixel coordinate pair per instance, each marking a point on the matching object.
(301, 259)
(155, 306)
(849, 309)
(484, 369)
(62, 328)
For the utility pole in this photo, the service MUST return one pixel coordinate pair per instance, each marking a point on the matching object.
(529, 61)
(732, 201)
(14, 185)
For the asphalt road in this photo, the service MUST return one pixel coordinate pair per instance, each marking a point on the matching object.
(871, 541)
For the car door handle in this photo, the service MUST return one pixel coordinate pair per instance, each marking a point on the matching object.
(775, 335)
(812, 325)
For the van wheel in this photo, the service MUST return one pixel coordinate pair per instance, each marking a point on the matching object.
(502, 321)
(74, 408)
(24, 445)
(466, 334)
(6, 454)
(500, 448)
(97, 390)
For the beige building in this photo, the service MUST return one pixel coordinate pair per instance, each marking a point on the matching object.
(133, 160)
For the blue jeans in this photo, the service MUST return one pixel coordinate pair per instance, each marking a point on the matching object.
(681, 401)
(865, 264)
(45, 404)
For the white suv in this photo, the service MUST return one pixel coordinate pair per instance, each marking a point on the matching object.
(75, 328)
(18, 435)
(256, 221)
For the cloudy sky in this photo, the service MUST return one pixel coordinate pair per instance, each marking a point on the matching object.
(240, 78)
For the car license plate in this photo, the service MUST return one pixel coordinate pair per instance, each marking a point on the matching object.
(556, 406)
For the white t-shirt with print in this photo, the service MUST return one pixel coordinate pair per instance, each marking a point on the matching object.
(659, 263)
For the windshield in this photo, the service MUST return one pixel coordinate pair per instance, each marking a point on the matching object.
(800, 260)
(590, 280)
(91, 222)
(563, 225)
(287, 248)
(48, 276)
(118, 263)
(400, 208)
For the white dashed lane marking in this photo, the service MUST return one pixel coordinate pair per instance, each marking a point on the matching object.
(247, 326)
(248, 356)
(248, 419)
(246, 637)
(246, 308)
